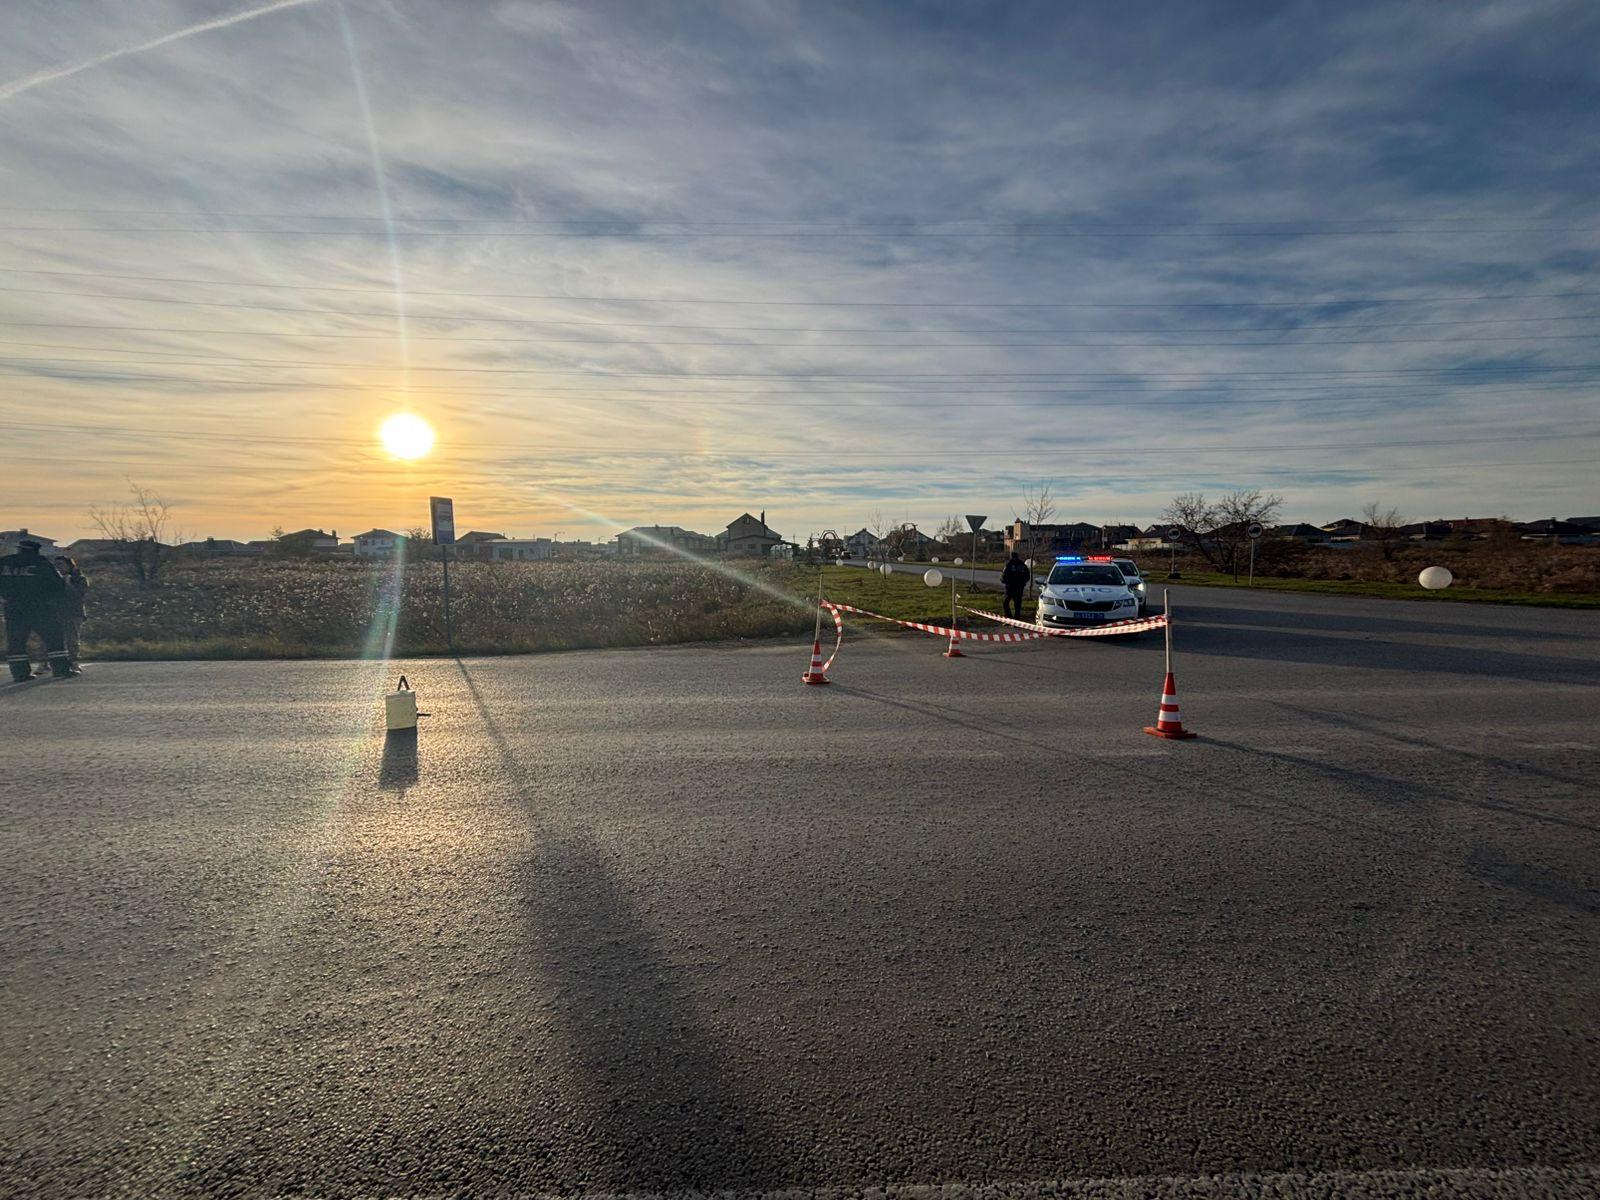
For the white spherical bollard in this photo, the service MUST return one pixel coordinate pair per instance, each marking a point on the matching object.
(1434, 578)
(935, 558)
(886, 569)
(957, 561)
(933, 577)
(1029, 564)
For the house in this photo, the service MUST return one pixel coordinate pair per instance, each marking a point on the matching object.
(474, 544)
(1153, 538)
(1054, 539)
(1344, 530)
(1425, 531)
(750, 536)
(1474, 528)
(1587, 522)
(379, 543)
(221, 548)
(862, 544)
(312, 541)
(1115, 535)
(1309, 535)
(89, 549)
(1558, 533)
(661, 540)
(516, 549)
(12, 539)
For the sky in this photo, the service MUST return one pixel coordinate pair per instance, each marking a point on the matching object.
(667, 263)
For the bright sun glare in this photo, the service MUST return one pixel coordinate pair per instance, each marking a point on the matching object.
(406, 436)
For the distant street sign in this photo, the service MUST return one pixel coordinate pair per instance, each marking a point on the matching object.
(1174, 534)
(1254, 529)
(443, 511)
(976, 523)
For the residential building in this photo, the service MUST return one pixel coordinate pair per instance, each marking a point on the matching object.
(11, 539)
(1345, 530)
(1310, 535)
(379, 543)
(1560, 533)
(1054, 539)
(516, 550)
(862, 544)
(748, 535)
(312, 541)
(221, 548)
(660, 541)
(89, 549)
(1425, 531)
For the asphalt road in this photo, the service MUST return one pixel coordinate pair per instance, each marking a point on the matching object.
(663, 920)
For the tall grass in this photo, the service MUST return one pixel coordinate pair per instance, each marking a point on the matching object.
(330, 609)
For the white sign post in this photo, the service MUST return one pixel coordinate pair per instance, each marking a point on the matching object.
(442, 510)
(1173, 535)
(1254, 530)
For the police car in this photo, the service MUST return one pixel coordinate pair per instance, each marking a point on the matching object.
(1086, 591)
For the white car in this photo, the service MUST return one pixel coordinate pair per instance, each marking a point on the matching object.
(1085, 591)
(1136, 582)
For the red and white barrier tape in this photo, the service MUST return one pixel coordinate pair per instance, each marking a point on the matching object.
(1109, 629)
(940, 630)
(838, 625)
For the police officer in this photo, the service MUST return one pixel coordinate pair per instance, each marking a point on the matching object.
(33, 592)
(1015, 578)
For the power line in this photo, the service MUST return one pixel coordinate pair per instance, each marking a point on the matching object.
(312, 287)
(886, 375)
(1334, 326)
(595, 343)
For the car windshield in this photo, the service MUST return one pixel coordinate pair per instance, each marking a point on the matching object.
(1128, 567)
(1090, 573)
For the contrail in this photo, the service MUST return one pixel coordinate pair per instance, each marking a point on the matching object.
(51, 74)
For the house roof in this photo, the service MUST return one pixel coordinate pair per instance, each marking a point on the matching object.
(12, 535)
(477, 535)
(306, 534)
(379, 533)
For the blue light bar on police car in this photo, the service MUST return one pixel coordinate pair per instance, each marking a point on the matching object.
(1069, 558)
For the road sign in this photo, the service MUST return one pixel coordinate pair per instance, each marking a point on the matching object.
(443, 511)
(1174, 534)
(975, 523)
(1254, 529)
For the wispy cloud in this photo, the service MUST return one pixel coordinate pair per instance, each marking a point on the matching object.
(812, 258)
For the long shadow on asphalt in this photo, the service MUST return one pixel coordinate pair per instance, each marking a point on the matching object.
(666, 1114)
(1289, 619)
(1387, 732)
(1382, 655)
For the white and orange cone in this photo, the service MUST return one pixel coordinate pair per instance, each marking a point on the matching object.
(1169, 722)
(954, 649)
(814, 674)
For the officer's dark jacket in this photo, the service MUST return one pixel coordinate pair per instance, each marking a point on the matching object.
(28, 578)
(1016, 575)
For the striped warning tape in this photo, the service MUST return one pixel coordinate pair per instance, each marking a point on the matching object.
(838, 626)
(1109, 629)
(940, 630)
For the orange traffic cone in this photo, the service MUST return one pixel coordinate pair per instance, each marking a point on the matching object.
(814, 673)
(1169, 723)
(954, 650)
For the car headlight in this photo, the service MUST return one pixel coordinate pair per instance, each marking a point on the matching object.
(1138, 585)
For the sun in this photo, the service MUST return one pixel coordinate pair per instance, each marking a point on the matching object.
(405, 435)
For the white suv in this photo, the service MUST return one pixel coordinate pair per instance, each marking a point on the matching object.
(1086, 591)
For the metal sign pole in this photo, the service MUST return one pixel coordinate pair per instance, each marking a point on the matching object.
(449, 637)
(1166, 603)
(1252, 581)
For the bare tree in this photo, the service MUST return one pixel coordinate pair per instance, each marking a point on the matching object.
(139, 531)
(1195, 517)
(951, 531)
(880, 526)
(1038, 506)
(1384, 526)
(1219, 529)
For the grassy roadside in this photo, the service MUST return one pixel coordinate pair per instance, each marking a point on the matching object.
(1387, 591)
(901, 595)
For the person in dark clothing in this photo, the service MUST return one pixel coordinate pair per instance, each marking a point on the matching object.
(32, 591)
(1015, 577)
(73, 606)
